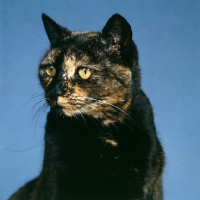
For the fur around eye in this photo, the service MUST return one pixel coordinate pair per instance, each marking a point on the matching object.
(51, 71)
(84, 73)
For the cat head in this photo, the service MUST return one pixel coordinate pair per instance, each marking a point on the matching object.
(92, 73)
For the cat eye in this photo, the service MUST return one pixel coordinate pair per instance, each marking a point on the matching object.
(84, 73)
(51, 71)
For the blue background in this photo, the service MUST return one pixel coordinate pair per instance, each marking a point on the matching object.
(167, 34)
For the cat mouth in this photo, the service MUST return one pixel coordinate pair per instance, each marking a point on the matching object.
(70, 107)
(79, 106)
(98, 108)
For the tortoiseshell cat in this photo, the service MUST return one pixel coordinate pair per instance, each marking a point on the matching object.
(100, 137)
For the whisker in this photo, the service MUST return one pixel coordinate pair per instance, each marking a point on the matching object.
(102, 102)
(39, 112)
(58, 113)
(35, 96)
(82, 116)
(116, 107)
(18, 151)
(27, 101)
(74, 116)
(98, 119)
(36, 103)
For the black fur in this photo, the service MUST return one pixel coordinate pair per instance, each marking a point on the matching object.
(79, 163)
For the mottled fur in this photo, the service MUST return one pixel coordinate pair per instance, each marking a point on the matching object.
(100, 140)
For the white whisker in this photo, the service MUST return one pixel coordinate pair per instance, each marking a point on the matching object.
(82, 116)
(119, 109)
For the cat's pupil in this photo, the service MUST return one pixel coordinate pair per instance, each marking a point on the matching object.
(51, 71)
(84, 73)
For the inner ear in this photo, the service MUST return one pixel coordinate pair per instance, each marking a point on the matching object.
(117, 33)
(54, 31)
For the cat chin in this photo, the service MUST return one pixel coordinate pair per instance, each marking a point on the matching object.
(101, 113)
(66, 112)
(102, 118)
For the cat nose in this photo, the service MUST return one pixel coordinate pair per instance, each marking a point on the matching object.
(54, 93)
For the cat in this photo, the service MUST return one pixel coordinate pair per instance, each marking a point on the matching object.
(100, 137)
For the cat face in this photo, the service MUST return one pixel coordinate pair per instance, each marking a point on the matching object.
(90, 73)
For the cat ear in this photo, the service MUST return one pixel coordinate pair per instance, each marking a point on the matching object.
(117, 33)
(54, 31)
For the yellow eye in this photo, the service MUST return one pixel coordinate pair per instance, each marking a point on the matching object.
(84, 73)
(51, 71)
